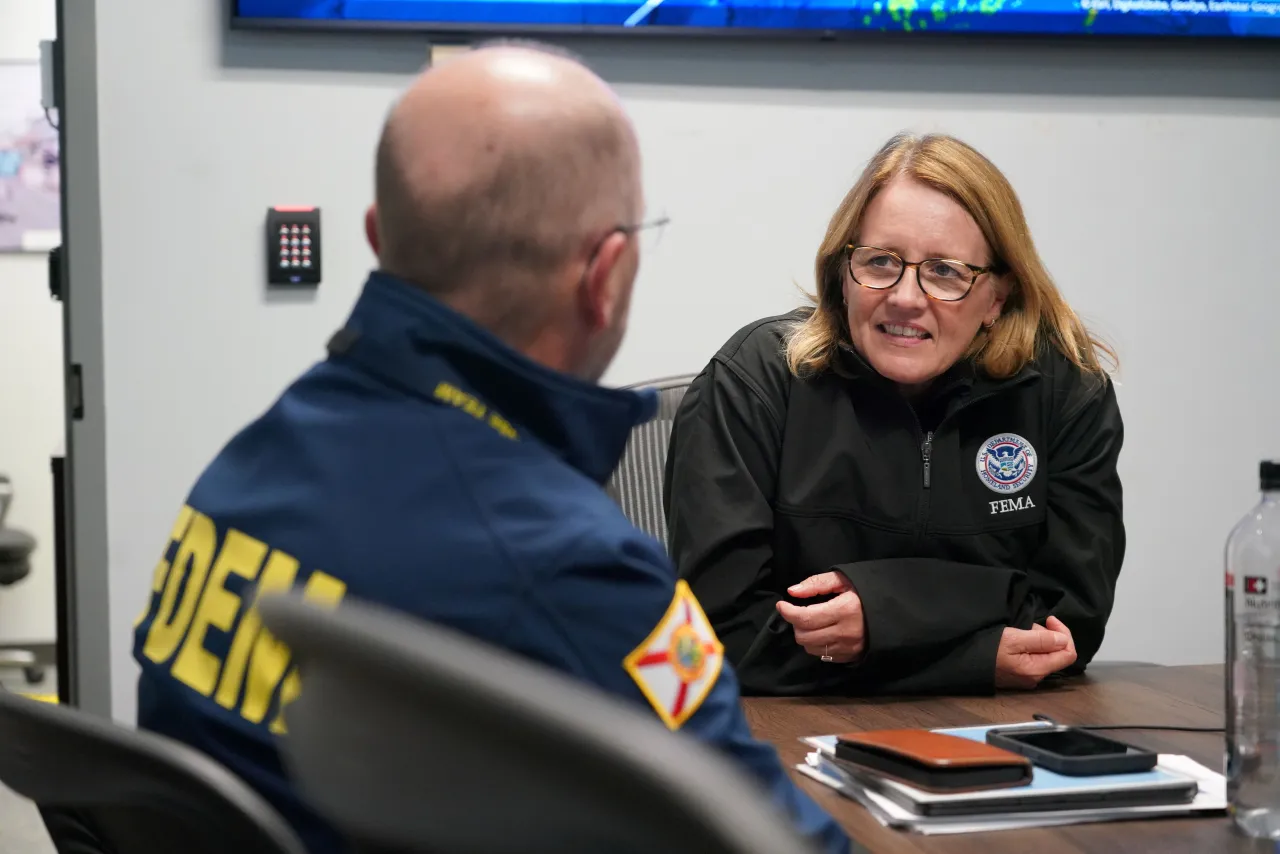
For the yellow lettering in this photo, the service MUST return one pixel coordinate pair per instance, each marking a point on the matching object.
(289, 692)
(455, 396)
(271, 658)
(195, 665)
(196, 553)
(502, 425)
(326, 591)
(162, 566)
(448, 393)
(276, 577)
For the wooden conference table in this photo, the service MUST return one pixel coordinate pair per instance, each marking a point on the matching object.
(1119, 694)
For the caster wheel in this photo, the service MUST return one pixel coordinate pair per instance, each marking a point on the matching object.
(34, 675)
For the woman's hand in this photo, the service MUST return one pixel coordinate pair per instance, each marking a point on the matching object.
(1027, 656)
(833, 628)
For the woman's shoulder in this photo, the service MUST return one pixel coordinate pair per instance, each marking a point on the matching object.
(1070, 386)
(762, 344)
(755, 358)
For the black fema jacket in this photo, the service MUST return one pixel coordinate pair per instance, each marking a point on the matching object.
(995, 503)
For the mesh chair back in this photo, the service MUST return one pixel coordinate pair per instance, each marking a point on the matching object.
(637, 482)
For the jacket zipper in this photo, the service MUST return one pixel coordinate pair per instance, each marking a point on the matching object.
(922, 510)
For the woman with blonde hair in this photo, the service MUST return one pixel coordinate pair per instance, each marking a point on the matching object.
(910, 486)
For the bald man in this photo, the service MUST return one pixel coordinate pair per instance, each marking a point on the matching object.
(447, 458)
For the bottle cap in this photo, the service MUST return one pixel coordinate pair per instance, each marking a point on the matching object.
(1269, 474)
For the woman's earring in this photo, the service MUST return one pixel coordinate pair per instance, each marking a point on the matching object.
(989, 323)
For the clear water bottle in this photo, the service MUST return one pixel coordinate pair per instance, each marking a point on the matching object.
(1253, 663)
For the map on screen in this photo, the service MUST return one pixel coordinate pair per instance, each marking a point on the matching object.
(1209, 18)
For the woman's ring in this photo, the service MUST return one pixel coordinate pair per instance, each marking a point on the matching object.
(826, 657)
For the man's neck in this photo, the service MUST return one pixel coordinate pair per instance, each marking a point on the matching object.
(551, 350)
(547, 346)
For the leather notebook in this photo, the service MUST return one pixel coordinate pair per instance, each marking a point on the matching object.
(933, 761)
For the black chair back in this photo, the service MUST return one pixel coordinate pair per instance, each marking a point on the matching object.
(16, 546)
(105, 788)
(411, 737)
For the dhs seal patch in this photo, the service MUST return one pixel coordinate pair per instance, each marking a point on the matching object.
(1006, 463)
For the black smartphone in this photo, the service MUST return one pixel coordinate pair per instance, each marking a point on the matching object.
(1071, 751)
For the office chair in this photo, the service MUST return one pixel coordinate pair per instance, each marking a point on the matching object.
(16, 547)
(104, 788)
(411, 737)
(636, 484)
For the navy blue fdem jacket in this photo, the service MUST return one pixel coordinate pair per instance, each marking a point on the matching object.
(426, 466)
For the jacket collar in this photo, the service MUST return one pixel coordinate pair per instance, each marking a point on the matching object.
(411, 340)
(963, 378)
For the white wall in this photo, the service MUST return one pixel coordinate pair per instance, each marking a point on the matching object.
(31, 389)
(1148, 172)
(23, 25)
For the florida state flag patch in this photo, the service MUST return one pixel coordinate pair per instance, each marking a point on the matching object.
(678, 663)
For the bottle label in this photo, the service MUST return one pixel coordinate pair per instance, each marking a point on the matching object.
(1260, 594)
(1253, 687)
(1258, 632)
(1258, 617)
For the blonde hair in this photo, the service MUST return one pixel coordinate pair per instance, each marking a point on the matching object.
(1034, 311)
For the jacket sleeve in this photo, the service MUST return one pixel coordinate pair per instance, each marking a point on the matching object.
(1073, 576)
(604, 605)
(939, 632)
(728, 435)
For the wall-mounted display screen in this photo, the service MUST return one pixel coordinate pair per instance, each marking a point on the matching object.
(1209, 18)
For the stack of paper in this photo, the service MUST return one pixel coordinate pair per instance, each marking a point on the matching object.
(891, 802)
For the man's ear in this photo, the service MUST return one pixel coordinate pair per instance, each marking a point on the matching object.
(371, 230)
(603, 292)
